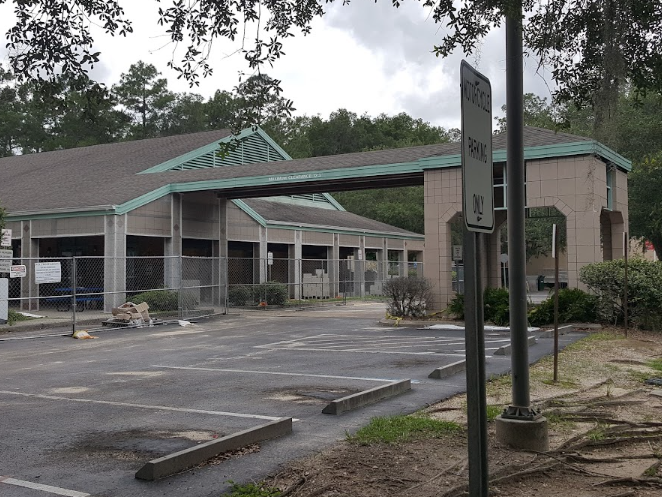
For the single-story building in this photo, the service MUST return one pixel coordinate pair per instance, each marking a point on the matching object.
(178, 197)
(116, 203)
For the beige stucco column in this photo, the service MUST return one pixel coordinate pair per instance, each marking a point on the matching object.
(29, 256)
(220, 249)
(577, 187)
(443, 196)
(114, 267)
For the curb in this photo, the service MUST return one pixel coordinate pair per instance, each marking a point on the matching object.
(179, 461)
(507, 349)
(367, 397)
(448, 370)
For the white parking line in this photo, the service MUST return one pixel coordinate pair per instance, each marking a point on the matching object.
(44, 488)
(141, 406)
(360, 351)
(279, 373)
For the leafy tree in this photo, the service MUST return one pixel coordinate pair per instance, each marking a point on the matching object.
(645, 202)
(71, 113)
(220, 110)
(537, 112)
(593, 47)
(346, 132)
(291, 133)
(258, 101)
(146, 97)
(538, 231)
(401, 207)
(10, 114)
(188, 114)
(89, 118)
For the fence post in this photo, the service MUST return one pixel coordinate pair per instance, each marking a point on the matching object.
(226, 283)
(180, 309)
(74, 283)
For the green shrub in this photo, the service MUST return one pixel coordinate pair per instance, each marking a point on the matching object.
(575, 306)
(456, 306)
(607, 280)
(271, 292)
(165, 300)
(496, 306)
(240, 295)
(15, 316)
(407, 296)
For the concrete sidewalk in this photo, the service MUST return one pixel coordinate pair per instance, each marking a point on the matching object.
(53, 322)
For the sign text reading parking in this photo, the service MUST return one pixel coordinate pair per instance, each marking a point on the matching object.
(477, 182)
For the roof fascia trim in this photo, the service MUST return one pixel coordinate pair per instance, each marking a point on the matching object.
(61, 213)
(344, 230)
(588, 147)
(252, 213)
(298, 177)
(143, 199)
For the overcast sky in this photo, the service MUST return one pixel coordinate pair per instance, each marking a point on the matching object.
(366, 57)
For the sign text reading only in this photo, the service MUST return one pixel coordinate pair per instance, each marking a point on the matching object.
(477, 182)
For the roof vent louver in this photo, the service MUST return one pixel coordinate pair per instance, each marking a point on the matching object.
(250, 150)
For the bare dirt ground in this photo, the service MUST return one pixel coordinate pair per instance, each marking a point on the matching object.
(605, 428)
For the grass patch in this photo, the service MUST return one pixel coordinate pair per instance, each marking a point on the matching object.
(15, 317)
(392, 429)
(655, 364)
(560, 421)
(251, 490)
(493, 412)
(596, 434)
(566, 384)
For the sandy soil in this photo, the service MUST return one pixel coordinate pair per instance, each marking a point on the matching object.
(605, 429)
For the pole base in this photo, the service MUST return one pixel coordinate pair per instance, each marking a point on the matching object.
(523, 434)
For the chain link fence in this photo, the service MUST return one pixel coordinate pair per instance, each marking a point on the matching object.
(262, 282)
(77, 290)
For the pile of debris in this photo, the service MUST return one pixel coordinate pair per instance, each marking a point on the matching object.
(130, 314)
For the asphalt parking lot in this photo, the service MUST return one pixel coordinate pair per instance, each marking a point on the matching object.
(80, 417)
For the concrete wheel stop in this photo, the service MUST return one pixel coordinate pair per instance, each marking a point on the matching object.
(184, 459)
(448, 370)
(367, 397)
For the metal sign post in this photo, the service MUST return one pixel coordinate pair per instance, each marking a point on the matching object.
(625, 282)
(478, 211)
(555, 255)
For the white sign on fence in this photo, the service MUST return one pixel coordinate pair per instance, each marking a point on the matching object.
(47, 272)
(5, 260)
(4, 300)
(5, 238)
(18, 271)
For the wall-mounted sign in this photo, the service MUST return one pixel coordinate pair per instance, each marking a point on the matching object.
(47, 272)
